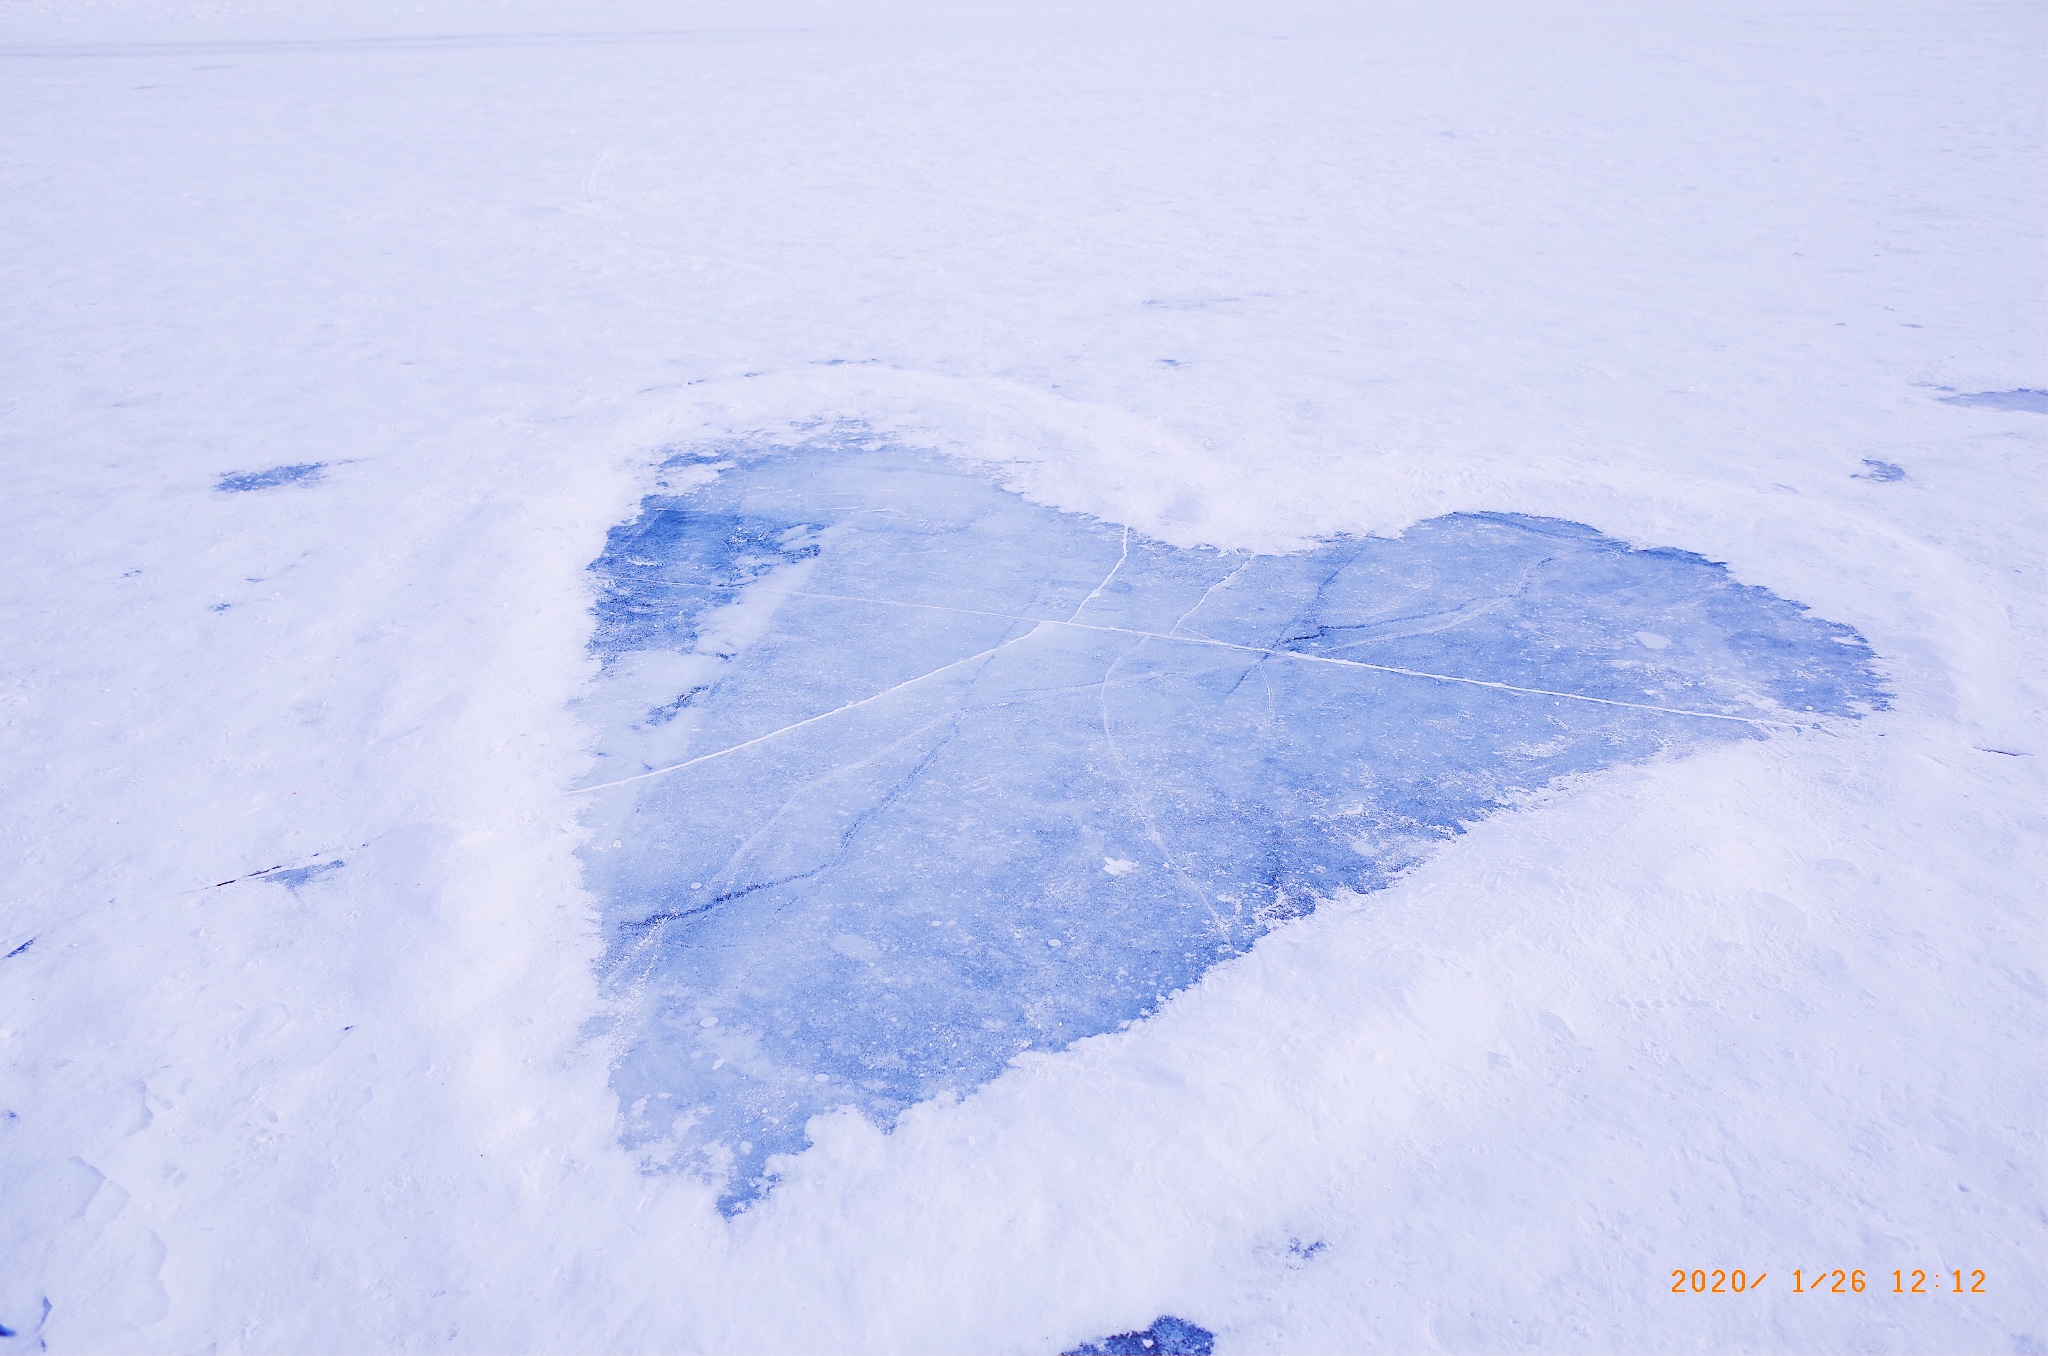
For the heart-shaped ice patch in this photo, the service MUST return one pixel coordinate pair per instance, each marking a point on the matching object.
(901, 774)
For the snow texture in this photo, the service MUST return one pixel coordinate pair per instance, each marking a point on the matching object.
(903, 774)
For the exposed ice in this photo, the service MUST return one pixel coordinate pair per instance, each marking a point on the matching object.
(2024, 400)
(1168, 1336)
(1882, 471)
(294, 877)
(240, 482)
(901, 774)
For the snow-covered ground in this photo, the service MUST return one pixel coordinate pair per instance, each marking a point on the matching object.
(342, 340)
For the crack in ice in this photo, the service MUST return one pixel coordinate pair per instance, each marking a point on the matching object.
(1261, 650)
(906, 897)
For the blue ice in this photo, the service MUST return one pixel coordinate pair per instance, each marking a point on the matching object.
(1883, 471)
(242, 481)
(1168, 1336)
(2024, 400)
(292, 878)
(900, 774)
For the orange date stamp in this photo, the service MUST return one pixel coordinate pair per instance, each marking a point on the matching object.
(1839, 1281)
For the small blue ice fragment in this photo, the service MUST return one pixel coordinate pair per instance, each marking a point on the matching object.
(1168, 1336)
(1879, 470)
(19, 949)
(2025, 400)
(294, 877)
(241, 481)
(901, 775)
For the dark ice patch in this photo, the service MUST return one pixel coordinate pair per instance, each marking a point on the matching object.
(292, 878)
(1168, 1336)
(1880, 471)
(239, 482)
(667, 567)
(903, 774)
(2024, 400)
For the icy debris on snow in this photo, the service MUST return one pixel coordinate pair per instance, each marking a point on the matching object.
(2024, 400)
(1299, 1252)
(1168, 1336)
(902, 726)
(239, 482)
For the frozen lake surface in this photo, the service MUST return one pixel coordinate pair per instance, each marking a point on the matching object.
(1246, 715)
(902, 774)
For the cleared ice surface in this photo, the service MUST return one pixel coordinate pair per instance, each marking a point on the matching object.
(902, 774)
(2025, 400)
(241, 482)
(1168, 1336)
(294, 877)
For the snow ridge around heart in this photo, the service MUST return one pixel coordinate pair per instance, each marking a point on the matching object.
(899, 775)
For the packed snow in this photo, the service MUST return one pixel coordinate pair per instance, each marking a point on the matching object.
(922, 678)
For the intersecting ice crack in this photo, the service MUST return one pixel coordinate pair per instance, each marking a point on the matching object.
(1097, 591)
(1759, 721)
(1207, 593)
(886, 723)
